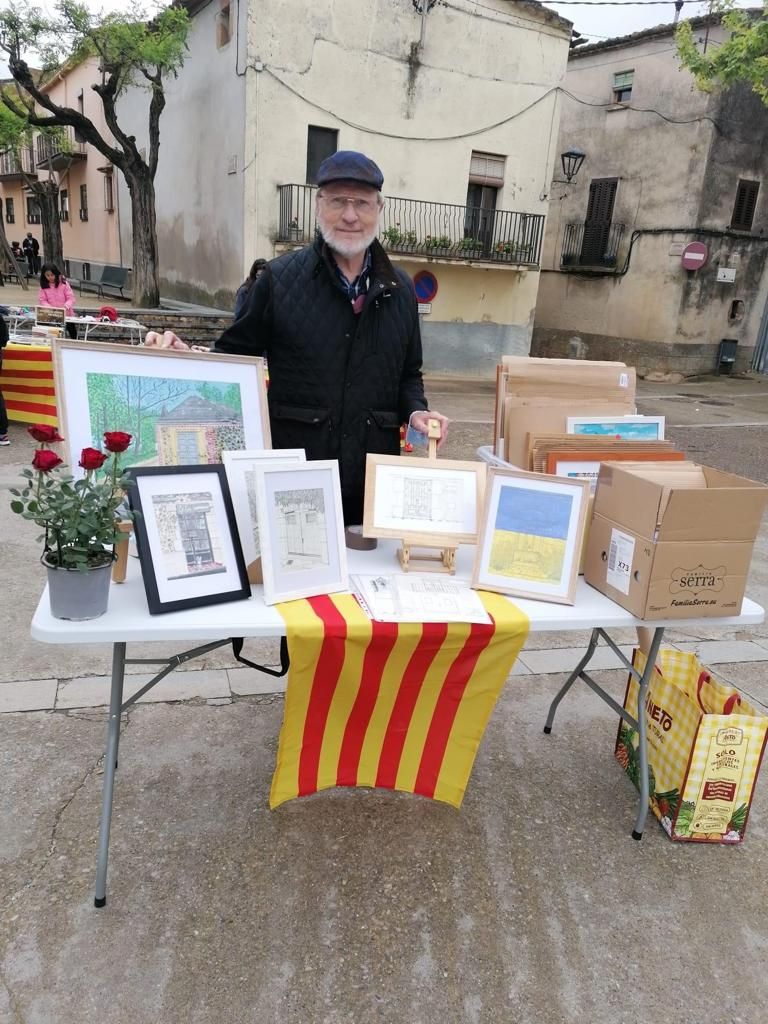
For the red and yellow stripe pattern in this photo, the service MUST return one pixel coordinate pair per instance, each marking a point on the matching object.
(393, 705)
(26, 379)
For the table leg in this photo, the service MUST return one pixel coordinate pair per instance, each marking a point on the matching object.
(110, 765)
(571, 680)
(642, 745)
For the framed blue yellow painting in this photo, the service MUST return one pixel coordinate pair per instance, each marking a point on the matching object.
(180, 408)
(531, 534)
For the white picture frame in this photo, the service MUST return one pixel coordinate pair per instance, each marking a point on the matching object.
(181, 407)
(241, 469)
(629, 428)
(427, 501)
(301, 526)
(531, 535)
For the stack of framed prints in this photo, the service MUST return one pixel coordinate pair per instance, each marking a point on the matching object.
(531, 535)
(186, 536)
(242, 469)
(432, 503)
(181, 408)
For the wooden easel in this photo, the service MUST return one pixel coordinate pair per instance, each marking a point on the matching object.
(436, 556)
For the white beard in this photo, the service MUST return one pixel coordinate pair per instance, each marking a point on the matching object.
(344, 246)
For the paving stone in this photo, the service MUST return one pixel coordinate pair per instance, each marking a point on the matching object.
(93, 691)
(565, 659)
(34, 695)
(247, 682)
(715, 652)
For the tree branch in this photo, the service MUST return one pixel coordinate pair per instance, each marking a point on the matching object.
(62, 115)
(156, 108)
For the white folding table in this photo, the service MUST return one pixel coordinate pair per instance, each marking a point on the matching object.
(212, 626)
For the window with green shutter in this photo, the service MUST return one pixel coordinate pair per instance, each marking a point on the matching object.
(622, 86)
(744, 207)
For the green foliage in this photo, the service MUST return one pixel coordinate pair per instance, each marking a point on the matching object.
(79, 517)
(743, 57)
(129, 43)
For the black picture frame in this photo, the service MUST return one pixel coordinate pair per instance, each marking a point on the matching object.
(204, 546)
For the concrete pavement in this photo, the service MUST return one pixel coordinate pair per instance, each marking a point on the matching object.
(531, 904)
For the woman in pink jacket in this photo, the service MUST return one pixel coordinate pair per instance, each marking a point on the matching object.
(55, 291)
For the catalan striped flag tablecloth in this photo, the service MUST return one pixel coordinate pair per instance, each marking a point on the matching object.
(394, 705)
(26, 379)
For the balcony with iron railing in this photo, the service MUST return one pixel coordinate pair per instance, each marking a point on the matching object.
(421, 228)
(60, 150)
(591, 245)
(14, 168)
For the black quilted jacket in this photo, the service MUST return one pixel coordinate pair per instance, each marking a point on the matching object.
(340, 385)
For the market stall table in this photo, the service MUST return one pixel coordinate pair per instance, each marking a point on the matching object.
(87, 326)
(212, 626)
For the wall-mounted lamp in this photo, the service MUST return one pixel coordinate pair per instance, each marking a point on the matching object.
(571, 160)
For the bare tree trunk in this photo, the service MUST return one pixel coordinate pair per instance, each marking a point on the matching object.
(47, 193)
(146, 284)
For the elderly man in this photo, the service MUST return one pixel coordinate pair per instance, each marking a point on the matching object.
(339, 326)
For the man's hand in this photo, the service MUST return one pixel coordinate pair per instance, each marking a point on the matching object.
(420, 421)
(170, 340)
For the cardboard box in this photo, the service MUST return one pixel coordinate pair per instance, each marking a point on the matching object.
(673, 541)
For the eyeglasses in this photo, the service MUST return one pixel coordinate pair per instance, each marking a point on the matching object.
(360, 206)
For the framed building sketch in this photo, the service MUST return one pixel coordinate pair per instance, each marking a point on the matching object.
(181, 408)
(301, 530)
(241, 469)
(531, 535)
(629, 428)
(186, 537)
(429, 501)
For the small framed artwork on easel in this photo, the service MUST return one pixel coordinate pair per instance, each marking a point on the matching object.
(431, 505)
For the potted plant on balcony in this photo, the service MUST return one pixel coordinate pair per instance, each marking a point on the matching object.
(392, 237)
(471, 248)
(80, 518)
(295, 234)
(439, 245)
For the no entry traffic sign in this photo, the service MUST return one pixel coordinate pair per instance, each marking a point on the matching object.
(694, 256)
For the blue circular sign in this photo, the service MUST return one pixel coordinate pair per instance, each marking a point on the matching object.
(425, 284)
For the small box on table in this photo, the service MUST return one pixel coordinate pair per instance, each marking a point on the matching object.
(673, 540)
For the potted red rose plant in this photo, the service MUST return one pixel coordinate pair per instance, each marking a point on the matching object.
(80, 518)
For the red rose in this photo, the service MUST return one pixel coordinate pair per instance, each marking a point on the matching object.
(92, 458)
(117, 440)
(45, 434)
(45, 460)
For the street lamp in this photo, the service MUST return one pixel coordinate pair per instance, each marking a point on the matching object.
(572, 160)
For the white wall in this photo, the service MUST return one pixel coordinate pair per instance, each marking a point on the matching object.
(358, 60)
(199, 202)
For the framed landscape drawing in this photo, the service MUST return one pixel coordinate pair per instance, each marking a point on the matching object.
(242, 469)
(301, 530)
(181, 408)
(531, 535)
(629, 428)
(428, 501)
(186, 537)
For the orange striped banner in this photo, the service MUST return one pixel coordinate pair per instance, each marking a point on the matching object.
(26, 379)
(394, 705)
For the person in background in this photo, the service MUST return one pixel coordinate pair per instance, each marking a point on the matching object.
(56, 291)
(339, 326)
(4, 440)
(241, 297)
(31, 249)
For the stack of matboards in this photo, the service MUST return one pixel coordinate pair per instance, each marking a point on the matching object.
(536, 396)
(551, 453)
